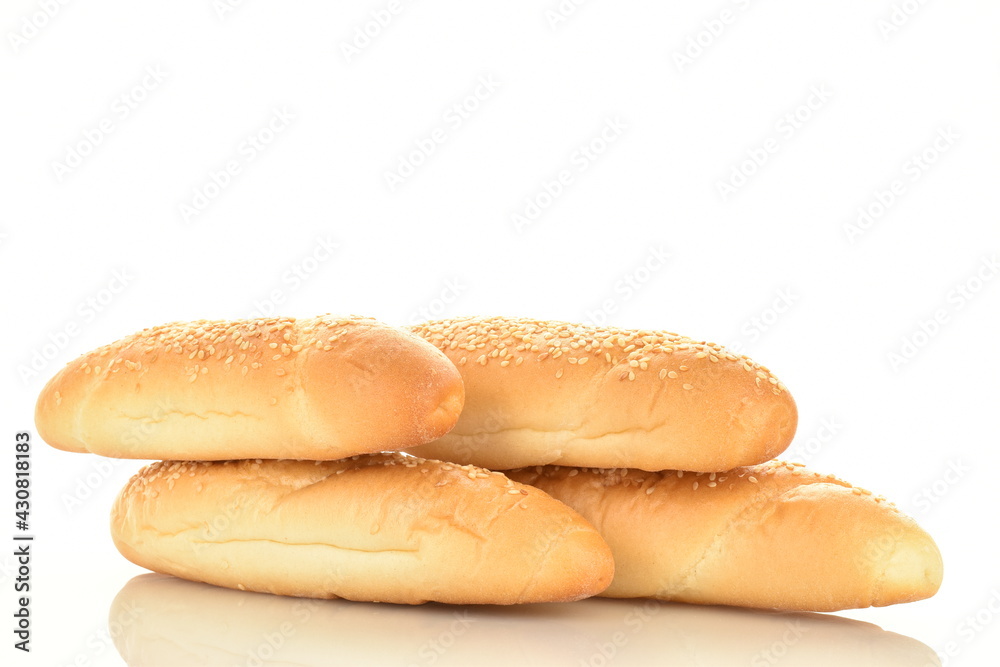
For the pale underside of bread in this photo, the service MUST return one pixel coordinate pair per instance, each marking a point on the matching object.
(319, 388)
(388, 528)
(543, 392)
(772, 536)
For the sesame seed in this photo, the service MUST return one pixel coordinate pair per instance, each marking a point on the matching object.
(695, 486)
(687, 386)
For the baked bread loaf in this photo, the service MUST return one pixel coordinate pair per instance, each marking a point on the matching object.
(773, 536)
(320, 388)
(552, 392)
(381, 528)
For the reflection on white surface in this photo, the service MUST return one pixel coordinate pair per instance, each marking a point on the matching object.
(163, 621)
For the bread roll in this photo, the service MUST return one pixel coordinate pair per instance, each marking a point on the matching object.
(551, 392)
(382, 528)
(321, 388)
(773, 536)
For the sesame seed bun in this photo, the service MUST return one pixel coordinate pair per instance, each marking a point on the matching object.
(541, 392)
(380, 528)
(321, 388)
(772, 536)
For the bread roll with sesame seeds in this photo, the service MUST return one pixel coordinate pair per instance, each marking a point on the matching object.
(320, 388)
(772, 536)
(380, 528)
(540, 392)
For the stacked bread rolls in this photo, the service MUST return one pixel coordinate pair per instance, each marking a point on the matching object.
(663, 443)
(228, 403)
(475, 460)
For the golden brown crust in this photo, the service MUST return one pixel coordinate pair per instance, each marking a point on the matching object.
(384, 527)
(320, 388)
(540, 392)
(774, 536)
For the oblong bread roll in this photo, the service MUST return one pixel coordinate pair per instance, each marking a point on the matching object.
(319, 388)
(379, 528)
(539, 392)
(773, 536)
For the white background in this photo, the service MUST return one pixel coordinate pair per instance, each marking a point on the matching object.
(778, 265)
